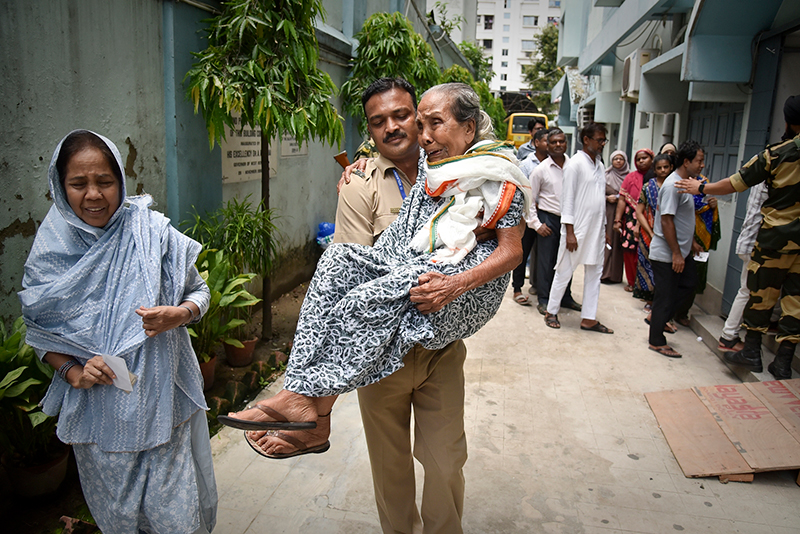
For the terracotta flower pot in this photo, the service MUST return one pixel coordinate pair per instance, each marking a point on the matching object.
(34, 481)
(239, 357)
(207, 370)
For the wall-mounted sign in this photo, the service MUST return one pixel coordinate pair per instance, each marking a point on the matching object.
(290, 147)
(241, 153)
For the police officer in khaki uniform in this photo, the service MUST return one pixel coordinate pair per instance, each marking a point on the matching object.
(431, 381)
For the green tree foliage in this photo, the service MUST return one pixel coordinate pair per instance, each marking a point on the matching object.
(388, 46)
(544, 73)
(261, 61)
(446, 24)
(481, 64)
(491, 105)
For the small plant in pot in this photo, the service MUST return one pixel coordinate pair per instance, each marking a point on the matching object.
(248, 235)
(227, 294)
(34, 458)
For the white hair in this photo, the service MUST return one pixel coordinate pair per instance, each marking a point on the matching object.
(465, 105)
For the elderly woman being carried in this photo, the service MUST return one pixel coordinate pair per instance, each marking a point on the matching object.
(426, 281)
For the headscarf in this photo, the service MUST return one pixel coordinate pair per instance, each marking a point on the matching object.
(615, 177)
(665, 145)
(82, 285)
(632, 185)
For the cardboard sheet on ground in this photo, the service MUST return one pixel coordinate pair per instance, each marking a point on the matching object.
(731, 429)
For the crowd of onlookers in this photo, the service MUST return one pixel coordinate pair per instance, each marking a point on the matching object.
(651, 227)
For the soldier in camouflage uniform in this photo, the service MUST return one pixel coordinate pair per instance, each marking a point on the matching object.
(775, 262)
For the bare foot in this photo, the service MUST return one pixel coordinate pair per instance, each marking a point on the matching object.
(271, 442)
(293, 406)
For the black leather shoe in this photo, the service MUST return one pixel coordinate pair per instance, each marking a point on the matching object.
(780, 372)
(781, 366)
(747, 357)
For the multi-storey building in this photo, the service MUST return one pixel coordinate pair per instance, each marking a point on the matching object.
(505, 29)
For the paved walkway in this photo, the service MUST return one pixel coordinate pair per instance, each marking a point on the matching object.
(561, 440)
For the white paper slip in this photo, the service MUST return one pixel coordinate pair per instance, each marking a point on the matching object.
(125, 379)
(701, 257)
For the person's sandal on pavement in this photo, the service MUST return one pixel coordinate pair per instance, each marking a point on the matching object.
(730, 345)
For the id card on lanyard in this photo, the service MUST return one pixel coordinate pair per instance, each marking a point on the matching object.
(399, 184)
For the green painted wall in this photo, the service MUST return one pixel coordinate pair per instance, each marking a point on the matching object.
(73, 64)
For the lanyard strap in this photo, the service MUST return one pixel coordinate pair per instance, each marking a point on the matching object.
(399, 184)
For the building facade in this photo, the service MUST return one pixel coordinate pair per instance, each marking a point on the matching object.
(656, 71)
(505, 29)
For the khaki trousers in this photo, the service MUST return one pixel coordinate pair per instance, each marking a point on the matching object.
(432, 382)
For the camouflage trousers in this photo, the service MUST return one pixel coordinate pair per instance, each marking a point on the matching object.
(769, 273)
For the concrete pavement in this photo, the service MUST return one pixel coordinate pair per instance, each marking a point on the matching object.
(561, 440)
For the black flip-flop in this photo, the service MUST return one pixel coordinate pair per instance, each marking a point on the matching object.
(598, 327)
(666, 350)
(280, 423)
(301, 447)
(668, 328)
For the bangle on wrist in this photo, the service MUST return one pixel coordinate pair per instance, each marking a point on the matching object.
(65, 367)
(191, 315)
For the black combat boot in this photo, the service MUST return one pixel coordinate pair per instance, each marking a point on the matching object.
(750, 355)
(781, 366)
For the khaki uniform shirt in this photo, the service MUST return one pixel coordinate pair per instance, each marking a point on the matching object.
(367, 206)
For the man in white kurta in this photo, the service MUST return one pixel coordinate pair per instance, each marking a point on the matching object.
(583, 235)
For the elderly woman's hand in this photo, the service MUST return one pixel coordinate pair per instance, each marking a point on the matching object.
(356, 167)
(435, 291)
(162, 318)
(95, 371)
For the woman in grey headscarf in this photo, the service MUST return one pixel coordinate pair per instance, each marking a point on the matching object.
(109, 280)
(615, 174)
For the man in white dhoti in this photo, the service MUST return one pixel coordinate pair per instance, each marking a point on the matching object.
(583, 235)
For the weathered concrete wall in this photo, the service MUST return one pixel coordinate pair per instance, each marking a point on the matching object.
(73, 64)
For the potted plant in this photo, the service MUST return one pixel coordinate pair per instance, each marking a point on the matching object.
(247, 234)
(227, 294)
(34, 458)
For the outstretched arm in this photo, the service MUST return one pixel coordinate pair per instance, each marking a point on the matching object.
(691, 186)
(436, 290)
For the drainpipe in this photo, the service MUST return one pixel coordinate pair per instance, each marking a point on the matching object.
(668, 130)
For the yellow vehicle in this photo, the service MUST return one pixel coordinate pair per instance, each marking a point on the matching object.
(518, 127)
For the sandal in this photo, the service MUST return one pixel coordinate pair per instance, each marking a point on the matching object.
(299, 445)
(598, 327)
(551, 320)
(669, 328)
(629, 289)
(666, 350)
(522, 300)
(280, 422)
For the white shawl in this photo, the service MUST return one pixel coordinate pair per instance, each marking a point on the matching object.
(482, 181)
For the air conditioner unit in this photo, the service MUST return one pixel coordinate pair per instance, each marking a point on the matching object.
(585, 116)
(632, 72)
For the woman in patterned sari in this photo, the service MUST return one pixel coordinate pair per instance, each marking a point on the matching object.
(646, 214)
(367, 306)
(625, 219)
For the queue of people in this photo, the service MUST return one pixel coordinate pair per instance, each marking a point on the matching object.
(390, 301)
